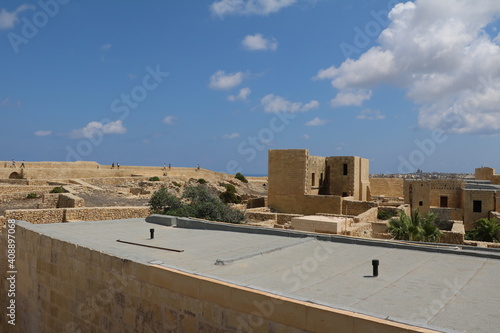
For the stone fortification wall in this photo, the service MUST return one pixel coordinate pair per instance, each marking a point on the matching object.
(63, 287)
(68, 200)
(388, 187)
(49, 201)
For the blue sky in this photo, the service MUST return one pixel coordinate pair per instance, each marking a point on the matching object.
(406, 84)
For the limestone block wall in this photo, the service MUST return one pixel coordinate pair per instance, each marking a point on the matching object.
(449, 214)
(105, 213)
(369, 216)
(452, 189)
(58, 215)
(68, 200)
(389, 187)
(260, 216)
(49, 200)
(350, 207)
(19, 195)
(36, 216)
(257, 202)
(62, 287)
(8, 189)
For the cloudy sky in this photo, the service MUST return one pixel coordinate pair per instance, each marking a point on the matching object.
(406, 84)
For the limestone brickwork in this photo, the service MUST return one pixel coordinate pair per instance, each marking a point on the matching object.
(387, 187)
(487, 199)
(63, 287)
(486, 173)
(58, 215)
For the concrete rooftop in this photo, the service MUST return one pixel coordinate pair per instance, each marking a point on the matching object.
(443, 291)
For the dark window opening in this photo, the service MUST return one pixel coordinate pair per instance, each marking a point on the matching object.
(420, 203)
(443, 202)
(345, 169)
(344, 194)
(477, 206)
(313, 181)
(321, 180)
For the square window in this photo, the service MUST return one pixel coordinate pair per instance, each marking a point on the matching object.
(420, 203)
(443, 202)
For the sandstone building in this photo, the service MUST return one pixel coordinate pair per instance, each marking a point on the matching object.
(304, 184)
(466, 200)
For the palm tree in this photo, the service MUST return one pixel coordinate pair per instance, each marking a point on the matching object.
(486, 230)
(415, 227)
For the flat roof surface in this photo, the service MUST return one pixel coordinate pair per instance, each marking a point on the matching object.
(448, 292)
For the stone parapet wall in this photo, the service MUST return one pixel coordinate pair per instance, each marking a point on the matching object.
(260, 216)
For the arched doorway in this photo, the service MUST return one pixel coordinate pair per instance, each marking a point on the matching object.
(15, 175)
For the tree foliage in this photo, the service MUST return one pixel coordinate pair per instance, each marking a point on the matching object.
(241, 177)
(198, 201)
(485, 230)
(415, 227)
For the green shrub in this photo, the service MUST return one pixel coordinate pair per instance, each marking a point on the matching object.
(485, 230)
(385, 214)
(201, 202)
(31, 196)
(58, 189)
(202, 181)
(162, 201)
(241, 177)
(176, 184)
(154, 179)
(229, 196)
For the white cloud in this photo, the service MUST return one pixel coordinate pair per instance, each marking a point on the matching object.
(316, 122)
(169, 120)
(42, 133)
(306, 137)
(222, 81)
(438, 52)
(106, 46)
(258, 42)
(96, 128)
(348, 98)
(328, 73)
(9, 19)
(369, 114)
(242, 95)
(273, 103)
(248, 7)
(231, 136)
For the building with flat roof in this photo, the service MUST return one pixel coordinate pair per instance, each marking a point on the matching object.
(300, 183)
(198, 276)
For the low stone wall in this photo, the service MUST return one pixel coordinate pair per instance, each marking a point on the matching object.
(369, 216)
(36, 216)
(19, 195)
(105, 213)
(9, 189)
(450, 237)
(356, 207)
(282, 219)
(49, 200)
(378, 229)
(448, 214)
(68, 200)
(257, 202)
(260, 216)
(58, 215)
